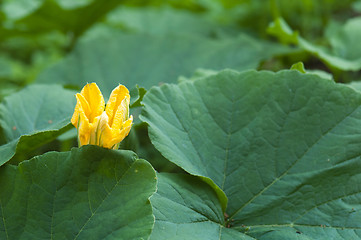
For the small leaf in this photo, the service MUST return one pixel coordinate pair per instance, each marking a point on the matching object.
(345, 53)
(137, 95)
(69, 4)
(20, 8)
(39, 16)
(299, 67)
(285, 34)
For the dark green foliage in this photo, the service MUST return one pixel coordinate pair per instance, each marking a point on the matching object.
(231, 151)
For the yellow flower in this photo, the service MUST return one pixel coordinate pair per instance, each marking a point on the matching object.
(96, 126)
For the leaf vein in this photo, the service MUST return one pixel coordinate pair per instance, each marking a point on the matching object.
(3, 218)
(90, 217)
(325, 202)
(292, 165)
(186, 131)
(304, 225)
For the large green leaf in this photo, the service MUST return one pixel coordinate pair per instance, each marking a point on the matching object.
(187, 208)
(33, 117)
(166, 20)
(148, 60)
(88, 193)
(284, 147)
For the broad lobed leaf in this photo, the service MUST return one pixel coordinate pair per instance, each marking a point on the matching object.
(284, 148)
(34, 116)
(88, 193)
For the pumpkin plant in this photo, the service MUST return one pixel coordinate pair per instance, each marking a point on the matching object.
(224, 134)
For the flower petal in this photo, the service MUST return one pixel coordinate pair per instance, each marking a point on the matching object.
(106, 137)
(81, 106)
(96, 126)
(75, 118)
(101, 126)
(84, 128)
(115, 100)
(122, 114)
(119, 134)
(95, 99)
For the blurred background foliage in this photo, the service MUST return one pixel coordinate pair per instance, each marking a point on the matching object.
(36, 35)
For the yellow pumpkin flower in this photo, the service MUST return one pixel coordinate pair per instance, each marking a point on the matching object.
(101, 125)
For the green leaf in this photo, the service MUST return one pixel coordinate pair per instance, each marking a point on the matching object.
(199, 73)
(20, 8)
(357, 6)
(167, 20)
(137, 95)
(284, 147)
(321, 74)
(39, 16)
(355, 85)
(88, 193)
(285, 34)
(344, 39)
(33, 117)
(70, 4)
(345, 53)
(148, 60)
(299, 67)
(187, 208)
